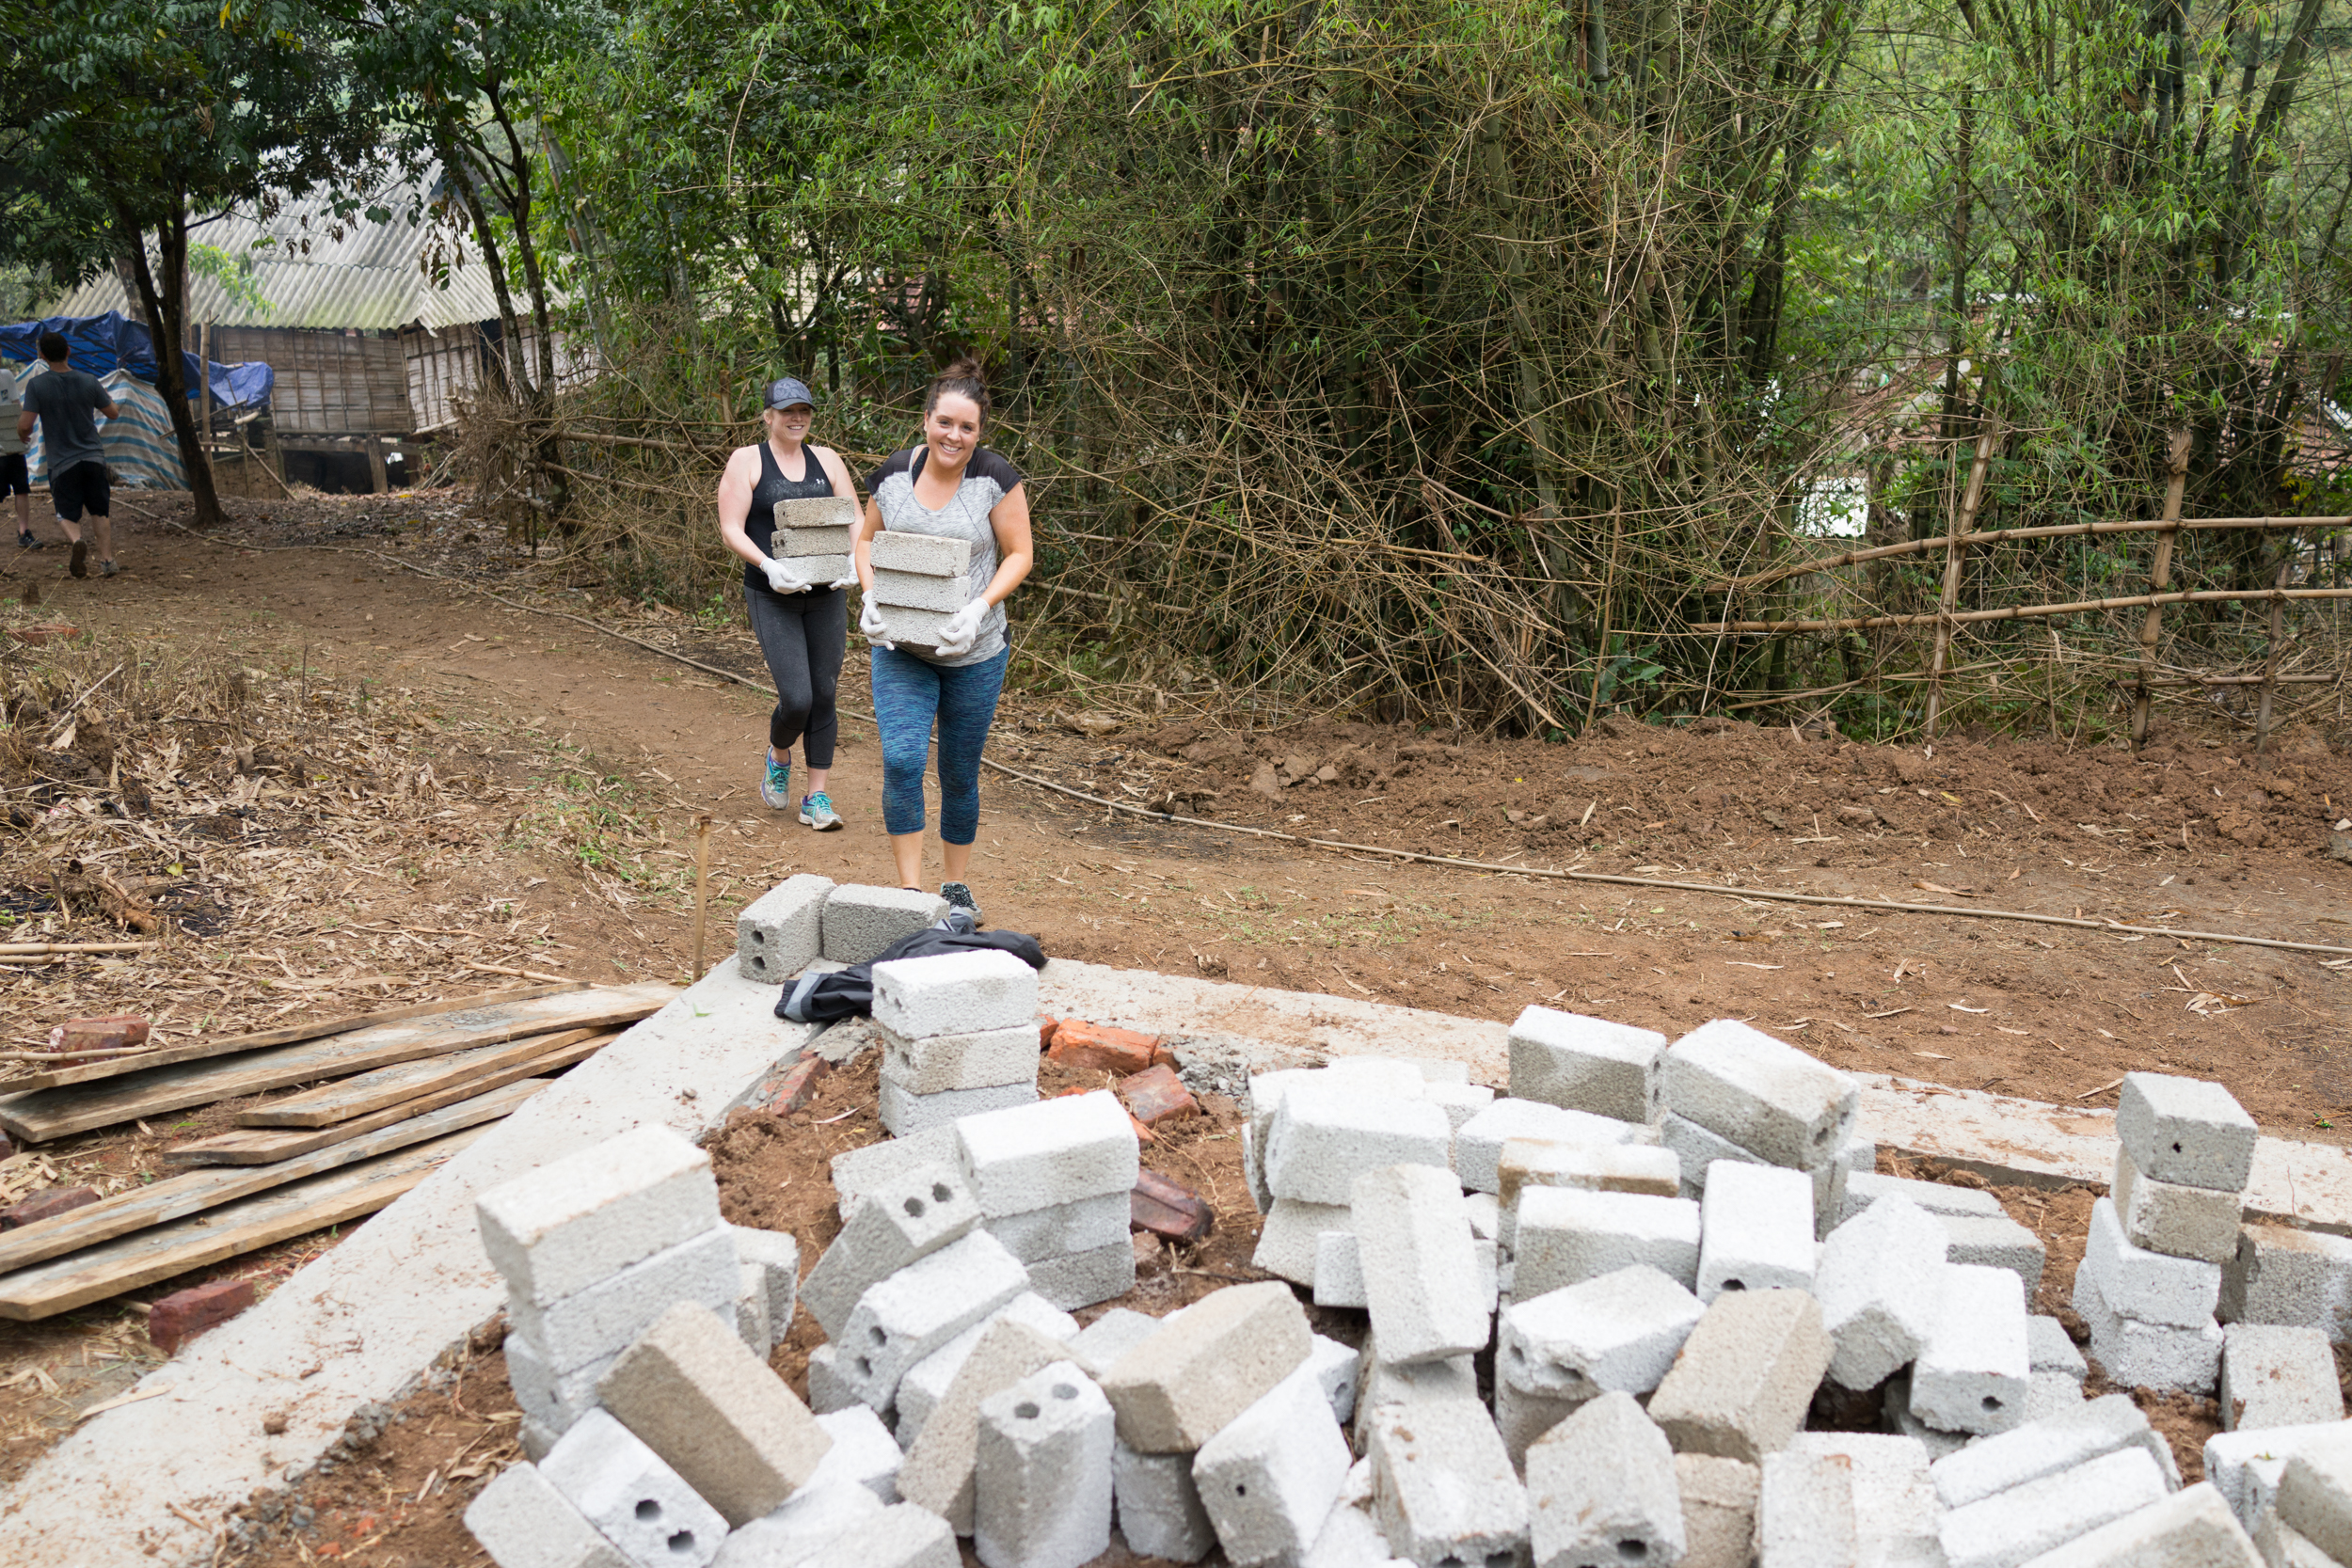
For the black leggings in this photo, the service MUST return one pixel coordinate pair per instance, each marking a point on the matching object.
(802, 636)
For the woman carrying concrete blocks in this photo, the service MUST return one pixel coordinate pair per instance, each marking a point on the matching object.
(944, 542)
(788, 509)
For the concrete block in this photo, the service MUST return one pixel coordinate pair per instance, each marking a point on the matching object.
(860, 922)
(602, 1321)
(812, 1521)
(1997, 1241)
(2013, 1528)
(1755, 1230)
(1179, 1387)
(1082, 1279)
(1478, 1146)
(1042, 1492)
(2050, 1349)
(938, 1472)
(1418, 1386)
(1719, 1499)
(2315, 1494)
(782, 931)
(2281, 1546)
(1618, 1332)
(637, 1503)
(829, 538)
(2248, 1465)
(554, 1399)
(1695, 1148)
(858, 1171)
(1443, 1488)
(2027, 1454)
(2283, 1275)
(523, 1522)
(828, 1389)
(1566, 1234)
(2143, 1354)
(1049, 1153)
(776, 1254)
(1866, 1187)
(1804, 1512)
(1895, 1507)
(1288, 1239)
(1080, 1227)
(1159, 1507)
(1878, 1281)
(904, 1536)
(1415, 1252)
(1746, 1376)
(808, 511)
(1333, 1366)
(928, 1381)
(2185, 1129)
(820, 568)
(1268, 1478)
(2173, 1219)
(1769, 1099)
(1602, 1490)
(575, 1222)
(1339, 1272)
(2050, 1394)
(1350, 1537)
(1596, 1167)
(904, 1318)
(2191, 1528)
(695, 1395)
(1894, 1405)
(2177, 1292)
(904, 1113)
(1328, 1133)
(1102, 1342)
(1459, 1102)
(928, 554)
(2275, 1376)
(986, 1059)
(956, 993)
(864, 1453)
(1586, 1064)
(913, 590)
(1973, 1368)
(895, 1224)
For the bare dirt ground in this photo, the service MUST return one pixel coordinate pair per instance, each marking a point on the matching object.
(570, 766)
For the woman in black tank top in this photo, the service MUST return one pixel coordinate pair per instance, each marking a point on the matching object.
(803, 627)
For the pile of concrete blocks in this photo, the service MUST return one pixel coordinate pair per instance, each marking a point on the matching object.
(959, 1036)
(920, 581)
(808, 917)
(596, 1247)
(2150, 1278)
(812, 536)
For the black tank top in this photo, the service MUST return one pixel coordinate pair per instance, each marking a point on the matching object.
(773, 487)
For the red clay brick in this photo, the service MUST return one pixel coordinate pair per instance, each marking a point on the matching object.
(185, 1314)
(1168, 1208)
(115, 1033)
(1100, 1048)
(1157, 1095)
(797, 1086)
(1045, 1027)
(48, 1205)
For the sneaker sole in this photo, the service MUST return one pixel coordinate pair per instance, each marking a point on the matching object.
(79, 564)
(808, 821)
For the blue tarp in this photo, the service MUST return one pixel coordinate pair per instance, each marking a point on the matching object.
(102, 344)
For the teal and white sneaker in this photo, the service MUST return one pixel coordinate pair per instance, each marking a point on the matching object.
(817, 811)
(776, 788)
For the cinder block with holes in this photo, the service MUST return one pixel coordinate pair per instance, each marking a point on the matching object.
(1042, 1485)
(1268, 1478)
(1878, 1281)
(2279, 1275)
(1866, 1187)
(2192, 1528)
(926, 1383)
(1896, 1509)
(981, 991)
(522, 1521)
(637, 1503)
(1566, 1234)
(1159, 1506)
(1074, 1279)
(2276, 1376)
(1443, 1486)
(2185, 1129)
(1973, 1372)
(903, 1536)
(578, 1221)
(1293, 1233)
(895, 1224)
(2177, 1220)
(2142, 1354)
(1602, 1490)
(1766, 1097)
(1619, 1332)
(901, 1319)
(1997, 1241)
(1646, 1168)
(981, 1059)
(2175, 1292)
(782, 931)
(939, 1465)
(2101, 1426)
(813, 1520)
(1755, 1230)
(1805, 1515)
(1586, 1063)
(864, 1453)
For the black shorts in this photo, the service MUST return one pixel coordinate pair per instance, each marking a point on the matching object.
(79, 489)
(15, 479)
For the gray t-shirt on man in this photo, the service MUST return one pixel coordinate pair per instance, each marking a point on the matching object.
(66, 399)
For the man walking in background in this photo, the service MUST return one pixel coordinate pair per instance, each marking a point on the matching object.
(15, 480)
(64, 401)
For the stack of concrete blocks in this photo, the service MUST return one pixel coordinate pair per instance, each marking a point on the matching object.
(959, 1036)
(596, 1246)
(807, 917)
(1052, 1179)
(920, 582)
(2151, 1278)
(813, 536)
(1728, 1092)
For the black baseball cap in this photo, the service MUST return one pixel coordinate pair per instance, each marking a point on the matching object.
(786, 391)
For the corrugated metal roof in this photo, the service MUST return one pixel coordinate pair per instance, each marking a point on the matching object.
(314, 272)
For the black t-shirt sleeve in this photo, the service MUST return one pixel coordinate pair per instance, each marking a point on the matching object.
(897, 462)
(987, 464)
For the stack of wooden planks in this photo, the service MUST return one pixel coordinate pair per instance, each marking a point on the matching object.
(383, 1098)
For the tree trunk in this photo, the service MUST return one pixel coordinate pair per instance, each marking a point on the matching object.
(167, 316)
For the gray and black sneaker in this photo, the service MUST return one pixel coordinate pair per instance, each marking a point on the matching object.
(24, 540)
(958, 896)
(775, 784)
(107, 568)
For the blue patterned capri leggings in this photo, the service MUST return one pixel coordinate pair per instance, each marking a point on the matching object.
(910, 694)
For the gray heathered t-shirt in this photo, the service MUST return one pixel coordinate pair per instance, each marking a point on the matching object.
(987, 480)
(66, 399)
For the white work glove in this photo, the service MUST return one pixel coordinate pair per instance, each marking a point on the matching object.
(962, 628)
(869, 620)
(781, 579)
(847, 579)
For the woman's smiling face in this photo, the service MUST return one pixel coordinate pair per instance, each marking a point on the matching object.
(952, 428)
(790, 423)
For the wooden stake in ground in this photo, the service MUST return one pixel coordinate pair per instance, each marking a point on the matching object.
(2270, 664)
(702, 878)
(2159, 576)
(1962, 522)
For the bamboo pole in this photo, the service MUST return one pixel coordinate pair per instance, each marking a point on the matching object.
(2023, 612)
(1949, 599)
(2270, 664)
(702, 878)
(2159, 574)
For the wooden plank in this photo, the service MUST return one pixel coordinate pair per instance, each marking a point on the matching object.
(128, 1263)
(389, 1086)
(487, 1099)
(176, 1198)
(229, 1045)
(46, 1114)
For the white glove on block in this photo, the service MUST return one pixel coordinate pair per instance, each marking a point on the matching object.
(781, 579)
(848, 581)
(962, 628)
(869, 620)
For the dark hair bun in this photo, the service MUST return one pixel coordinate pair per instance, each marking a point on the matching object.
(961, 377)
